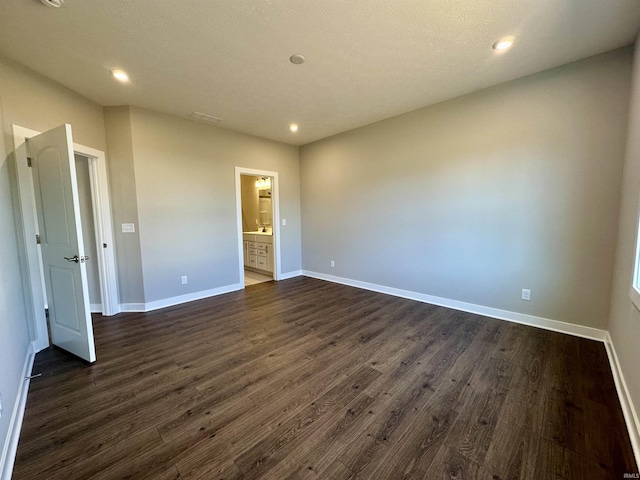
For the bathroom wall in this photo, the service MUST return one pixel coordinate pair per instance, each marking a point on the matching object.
(250, 202)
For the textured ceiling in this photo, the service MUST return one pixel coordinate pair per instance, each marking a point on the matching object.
(366, 59)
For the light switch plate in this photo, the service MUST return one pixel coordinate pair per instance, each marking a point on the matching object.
(128, 228)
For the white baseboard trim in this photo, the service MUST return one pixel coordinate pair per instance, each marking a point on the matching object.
(540, 322)
(628, 409)
(132, 307)
(96, 308)
(288, 275)
(15, 422)
(188, 297)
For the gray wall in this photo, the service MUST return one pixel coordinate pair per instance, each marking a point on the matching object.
(473, 199)
(185, 190)
(88, 228)
(31, 101)
(124, 205)
(624, 323)
(14, 331)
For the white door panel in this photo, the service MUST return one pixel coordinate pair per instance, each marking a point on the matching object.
(57, 205)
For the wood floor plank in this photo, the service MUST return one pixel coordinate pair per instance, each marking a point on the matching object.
(264, 454)
(318, 451)
(415, 450)
(450, 464)
(260, 384)
(401, 400)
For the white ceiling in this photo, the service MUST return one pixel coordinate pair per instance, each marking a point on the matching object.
(366, 59)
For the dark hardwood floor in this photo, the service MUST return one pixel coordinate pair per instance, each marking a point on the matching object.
(308, 379)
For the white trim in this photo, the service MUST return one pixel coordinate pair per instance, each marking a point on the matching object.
(188, 297)
(295, 273)
(628, 409)
(132, 307)
(103, 228)
(34, 291)
(275, 194)
(540, 322)
(634, 290)
(96, 308)
(8, 457)
(26, 218)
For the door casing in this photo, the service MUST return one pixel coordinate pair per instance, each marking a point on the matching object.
(275, 195)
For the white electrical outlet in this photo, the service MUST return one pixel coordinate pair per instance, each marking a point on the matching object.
(184, 279)
(284, 222)
(526, 294)
(333, 264)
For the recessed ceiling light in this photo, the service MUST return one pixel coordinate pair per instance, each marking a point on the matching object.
(119, 75)
(297, 59)
(293, 127)
(503, 44)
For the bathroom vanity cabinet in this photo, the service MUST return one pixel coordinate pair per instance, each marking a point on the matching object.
(258, 252)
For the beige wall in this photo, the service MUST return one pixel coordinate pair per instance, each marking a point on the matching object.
(185, 188)
(250, 211)
(31, 101)
(474, 199)
(624, 322)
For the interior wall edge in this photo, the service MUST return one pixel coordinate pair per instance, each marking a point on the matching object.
(8, 457)
(626, 402)
(190, 297)
(293, 274)
(96, 308)
(515, 317)
(180, 299)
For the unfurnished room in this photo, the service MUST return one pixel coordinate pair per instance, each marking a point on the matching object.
(319, 239)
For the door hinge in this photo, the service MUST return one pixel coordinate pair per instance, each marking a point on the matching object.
(38, 239)
(28, 161)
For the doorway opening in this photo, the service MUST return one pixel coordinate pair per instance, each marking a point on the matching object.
(258, 232)
(97, 233)
(89, 229)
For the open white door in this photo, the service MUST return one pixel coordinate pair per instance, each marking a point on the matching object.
(54, 179)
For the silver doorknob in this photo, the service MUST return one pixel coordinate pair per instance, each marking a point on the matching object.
(75, 258)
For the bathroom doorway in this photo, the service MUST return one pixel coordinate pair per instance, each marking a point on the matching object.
(259, 245)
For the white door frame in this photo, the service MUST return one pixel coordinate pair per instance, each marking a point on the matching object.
(29, 228)
(275, 195)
